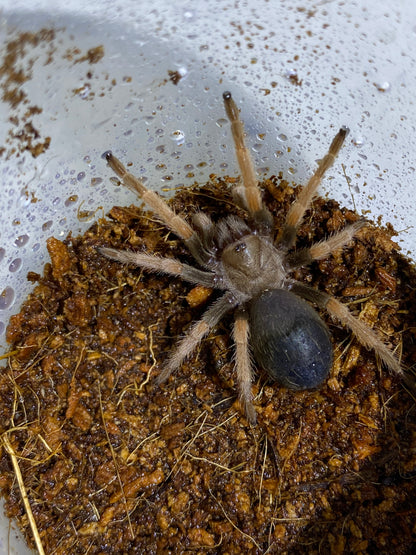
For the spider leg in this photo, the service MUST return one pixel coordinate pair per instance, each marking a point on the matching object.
(338, 311)
(243, 364)
(196, 333)
(251, 195)
(169, 266)
(301, 204)
(173, 221)
(324, 248)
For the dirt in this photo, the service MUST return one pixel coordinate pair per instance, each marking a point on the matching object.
(112, 463)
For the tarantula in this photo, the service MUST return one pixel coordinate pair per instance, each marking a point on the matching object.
(287, 337)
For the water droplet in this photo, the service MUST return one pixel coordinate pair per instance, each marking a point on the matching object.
(2, 253)
(358, 140)
(70, 200)
(2, 328)
(221, 122)
(257, 147)
(81, 176)
(47, 225)
(96, 181)
(188, 15)
(21, 241)
(282, 137)
(382, 86)
(87, 159)
(6, 298)
(178, 136)
(15, 265)
(263, 170)
(84, 91)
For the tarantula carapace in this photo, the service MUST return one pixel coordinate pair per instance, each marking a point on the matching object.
(273, 317)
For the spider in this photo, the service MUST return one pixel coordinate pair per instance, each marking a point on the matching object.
(273, 316)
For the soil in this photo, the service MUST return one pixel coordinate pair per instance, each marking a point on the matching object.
(112, 463)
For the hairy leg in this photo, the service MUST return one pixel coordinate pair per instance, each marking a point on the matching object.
(301, 204)
(338, 311)
(252, 195)
(196, 333)
(243, 365)
(169, 266)
(321, 250)
(174, 222)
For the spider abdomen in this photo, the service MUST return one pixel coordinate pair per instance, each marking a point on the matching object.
(289, 339)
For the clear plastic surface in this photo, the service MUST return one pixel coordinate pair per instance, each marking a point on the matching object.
(146, 80)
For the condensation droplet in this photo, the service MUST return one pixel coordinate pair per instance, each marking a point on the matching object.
(6, 298)
(383, 86)
(263, 170)
(358, 140)
(2, 328)
(2, 253)
(221, 122)
(188, 15)
(282, 137)
(80, 176)
(87, 159)
(15, 265)
(96, 181)
(84, 91)
(178, 136)
(70, 200)
(21, 241)
(47, 225)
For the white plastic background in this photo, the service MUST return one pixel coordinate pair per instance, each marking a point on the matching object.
(354, 62)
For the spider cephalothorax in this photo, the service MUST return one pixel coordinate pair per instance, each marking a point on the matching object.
(287, 336)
